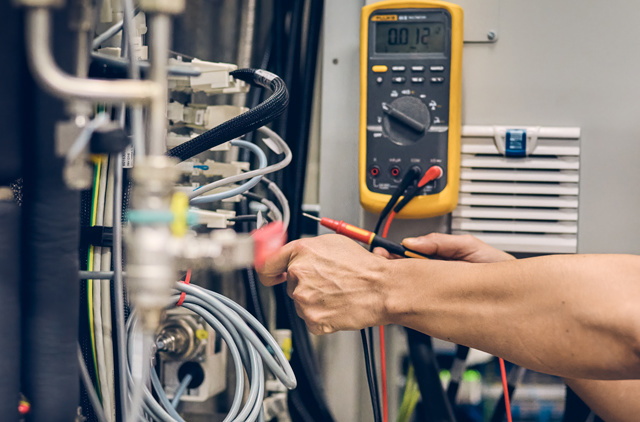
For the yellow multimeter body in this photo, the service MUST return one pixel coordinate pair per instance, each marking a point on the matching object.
(410, 102)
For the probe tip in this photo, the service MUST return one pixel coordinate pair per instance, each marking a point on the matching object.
(311, 216)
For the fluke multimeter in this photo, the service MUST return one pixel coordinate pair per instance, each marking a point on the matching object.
(410, 64)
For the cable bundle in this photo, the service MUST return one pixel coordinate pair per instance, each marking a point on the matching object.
(250, 346)
(247, 122)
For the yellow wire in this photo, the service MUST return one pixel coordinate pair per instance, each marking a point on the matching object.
(94, 212)
(410, 398)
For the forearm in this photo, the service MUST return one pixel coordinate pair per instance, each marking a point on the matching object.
(613, 401)
(574, 316)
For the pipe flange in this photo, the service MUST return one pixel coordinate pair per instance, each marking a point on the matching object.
(39, 3)
(170, 7)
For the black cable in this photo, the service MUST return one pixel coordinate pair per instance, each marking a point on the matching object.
(436, 406)
(253, 196)
(457, 371)
(516, 373)
(409, 178)
(247, 122)
(375, 403)
(303, 362)
(243, 218)
(301, 118)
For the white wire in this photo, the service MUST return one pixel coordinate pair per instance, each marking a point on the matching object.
(237, 190)
(282, 199)
(105, 297)
(265, 131)
(97, 297)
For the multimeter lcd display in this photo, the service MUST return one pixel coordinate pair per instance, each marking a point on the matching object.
(409, 37)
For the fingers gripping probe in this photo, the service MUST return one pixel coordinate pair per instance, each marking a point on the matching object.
(366, 237)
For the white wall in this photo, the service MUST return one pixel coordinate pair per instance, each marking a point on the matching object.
(556, 63)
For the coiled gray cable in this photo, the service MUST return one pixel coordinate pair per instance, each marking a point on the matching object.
(250, 346)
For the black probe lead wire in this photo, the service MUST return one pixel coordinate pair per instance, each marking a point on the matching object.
(368, 344)
(372, 377)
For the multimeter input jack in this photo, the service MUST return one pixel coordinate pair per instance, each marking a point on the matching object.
(395, 171)
(374, 171)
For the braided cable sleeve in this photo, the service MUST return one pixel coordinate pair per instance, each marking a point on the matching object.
(247, 122)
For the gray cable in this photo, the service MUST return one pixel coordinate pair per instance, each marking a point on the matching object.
(284, 204)
(277, 364)
(133, 70)
(246, 349)
(259, 172)
(81, 142)
(181, 389)
(96, 275)
(91, 391)
(118, 284)
(223, 182)
(110, 32)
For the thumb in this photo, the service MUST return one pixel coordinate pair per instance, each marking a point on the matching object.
(424, 244)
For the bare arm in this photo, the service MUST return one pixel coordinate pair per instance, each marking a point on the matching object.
(611, 400)
(573, 316)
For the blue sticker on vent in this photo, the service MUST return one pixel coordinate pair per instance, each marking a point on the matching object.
(515, 143)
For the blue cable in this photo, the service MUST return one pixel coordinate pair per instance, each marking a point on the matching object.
(262, 163)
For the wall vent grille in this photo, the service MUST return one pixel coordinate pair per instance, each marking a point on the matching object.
(526, 205)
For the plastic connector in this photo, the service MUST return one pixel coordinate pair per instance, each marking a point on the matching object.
(218, 219)
(215, 78)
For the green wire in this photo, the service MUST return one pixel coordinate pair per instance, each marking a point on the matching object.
(410, 398)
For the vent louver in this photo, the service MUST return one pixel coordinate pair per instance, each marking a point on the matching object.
(527, 204)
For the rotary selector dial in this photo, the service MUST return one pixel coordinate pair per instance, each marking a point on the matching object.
(405, 120)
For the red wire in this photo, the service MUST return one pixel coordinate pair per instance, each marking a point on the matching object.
(385, 231)
(505, 387)
(383, 362)
(383, 374)
(183, 295)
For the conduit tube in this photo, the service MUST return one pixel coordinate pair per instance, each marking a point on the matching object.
(10, 309)
(50, 236)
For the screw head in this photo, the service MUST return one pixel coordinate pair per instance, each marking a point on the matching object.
(491, 35)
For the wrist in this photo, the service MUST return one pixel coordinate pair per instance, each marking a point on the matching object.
(401, 285)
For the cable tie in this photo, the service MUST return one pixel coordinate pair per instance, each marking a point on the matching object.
(183, 295)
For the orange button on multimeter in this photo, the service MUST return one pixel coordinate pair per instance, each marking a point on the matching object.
(379, 68)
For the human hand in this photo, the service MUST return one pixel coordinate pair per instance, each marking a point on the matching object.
(452, 247)
(334, 282)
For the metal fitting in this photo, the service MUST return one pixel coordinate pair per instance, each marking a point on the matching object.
(151, 265)
(223, 251)
(39, 3)
(178, 338)
(171, 7)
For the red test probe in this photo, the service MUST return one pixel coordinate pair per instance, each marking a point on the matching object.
(366, 237)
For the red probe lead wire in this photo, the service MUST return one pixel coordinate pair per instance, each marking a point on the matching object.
(383, 361)
(505, 388)
(433, 173)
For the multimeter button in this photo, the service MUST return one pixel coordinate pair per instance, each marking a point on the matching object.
(437, 80)
(417, 68)
(374, 171)
(379, 68)
(436, 68)
(398, 80)
(379, 79)
(417, 80)
(398, 68)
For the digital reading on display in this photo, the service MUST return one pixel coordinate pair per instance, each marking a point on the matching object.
(409, 37)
